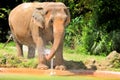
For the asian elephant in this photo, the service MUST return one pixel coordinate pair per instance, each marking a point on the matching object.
(35, 24)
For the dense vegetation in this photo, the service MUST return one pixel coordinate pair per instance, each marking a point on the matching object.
(94, 27)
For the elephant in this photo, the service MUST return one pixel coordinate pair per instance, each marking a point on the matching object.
(35, 24)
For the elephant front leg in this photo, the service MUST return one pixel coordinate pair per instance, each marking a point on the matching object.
(40, 45)
(31, 52)
(41, 54)
(42, 61)
(41, 58)
(40, 50)
(59, 61)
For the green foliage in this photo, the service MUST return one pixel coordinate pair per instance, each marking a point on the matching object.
(10, 60)
(108, 14)
(3, 26)
(99, 28)
(32, 63)
(3, 12)
(73, 33)
(82, 36)
(102, 46)
(106, 18)
(115, 37)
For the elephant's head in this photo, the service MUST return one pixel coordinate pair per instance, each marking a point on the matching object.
(56, 16)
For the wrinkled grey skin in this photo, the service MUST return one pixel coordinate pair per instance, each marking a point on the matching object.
(35, 25)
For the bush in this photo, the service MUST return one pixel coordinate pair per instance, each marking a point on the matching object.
(10, 60)
(95, 31)
(115, 40)
(83, 36)
(73, 33)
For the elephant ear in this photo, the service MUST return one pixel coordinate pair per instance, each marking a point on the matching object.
(68, 15)
(38, 17)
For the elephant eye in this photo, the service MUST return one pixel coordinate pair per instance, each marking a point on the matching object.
(65, 20)
(51, 21)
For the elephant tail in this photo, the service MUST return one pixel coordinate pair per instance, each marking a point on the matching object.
(10, 37)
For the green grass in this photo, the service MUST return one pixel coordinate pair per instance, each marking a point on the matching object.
(9, 48)
(9, 58)
(48, 77)
(82, 57)
(68, 53)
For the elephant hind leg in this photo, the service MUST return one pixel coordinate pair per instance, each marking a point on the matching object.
(31, 52)
(19, 49)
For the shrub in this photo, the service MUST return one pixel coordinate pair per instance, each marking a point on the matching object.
(73, 33)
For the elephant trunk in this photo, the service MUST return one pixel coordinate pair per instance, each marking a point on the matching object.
(58, 39)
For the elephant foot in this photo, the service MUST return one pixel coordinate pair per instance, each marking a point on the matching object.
(30, 56)
(60, 67)
(42, 67)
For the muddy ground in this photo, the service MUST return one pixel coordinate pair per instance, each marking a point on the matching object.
(111, 61)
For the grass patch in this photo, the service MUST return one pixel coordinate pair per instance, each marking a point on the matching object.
(70, 54)
(9, 58)
(34, 77)
(9, 48)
